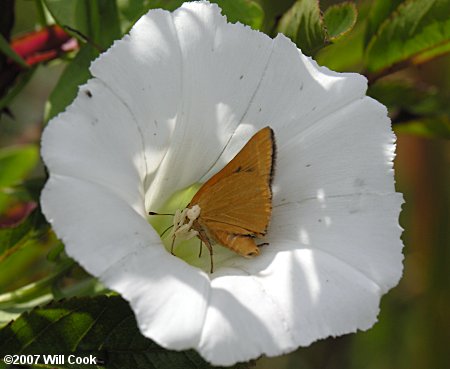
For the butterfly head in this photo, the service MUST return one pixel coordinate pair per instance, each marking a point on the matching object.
(183, 221)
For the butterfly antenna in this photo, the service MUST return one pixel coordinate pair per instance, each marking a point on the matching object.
(162, 234)
(154, 213)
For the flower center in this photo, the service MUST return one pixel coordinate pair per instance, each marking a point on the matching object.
(187, 245)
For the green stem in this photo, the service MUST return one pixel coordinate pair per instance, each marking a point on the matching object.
(94, 20)
(34, 289)
(42, 18)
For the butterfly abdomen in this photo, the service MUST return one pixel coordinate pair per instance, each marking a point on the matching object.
(242, 245)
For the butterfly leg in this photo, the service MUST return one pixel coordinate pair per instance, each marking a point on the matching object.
(200, 251)
(171, 246)
(204, 238)
(209, 246)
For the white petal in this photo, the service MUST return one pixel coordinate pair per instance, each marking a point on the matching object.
(98, 227)
(110, 240)
(188, 67)
(168, 296)
(243, 321)
(348, 152)
(93, 142)
(294, 93)
(301, 296)
(321, 275)
(144, 71)
(359, 230)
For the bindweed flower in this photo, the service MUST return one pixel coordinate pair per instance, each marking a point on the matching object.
(168, 106)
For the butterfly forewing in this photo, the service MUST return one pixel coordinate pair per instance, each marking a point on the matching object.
(247, 206)
(237, 201)
(258, 154)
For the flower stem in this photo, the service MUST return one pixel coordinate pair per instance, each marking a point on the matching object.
(41, 13)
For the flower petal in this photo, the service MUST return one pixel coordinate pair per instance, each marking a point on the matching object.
(97, 144)
(359, 230)
(112, 241)
(299, 298)
(189, 66)
(322, 274)
(294, 93)
(168, 296)
(243, 321)
(98, 227)
(349, 152)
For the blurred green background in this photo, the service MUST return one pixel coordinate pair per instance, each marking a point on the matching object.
(413, 331)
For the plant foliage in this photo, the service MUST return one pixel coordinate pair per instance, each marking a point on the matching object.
(377, 38)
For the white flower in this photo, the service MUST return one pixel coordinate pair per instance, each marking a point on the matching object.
(170, 105)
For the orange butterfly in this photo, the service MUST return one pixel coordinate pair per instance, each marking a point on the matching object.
(234, 206)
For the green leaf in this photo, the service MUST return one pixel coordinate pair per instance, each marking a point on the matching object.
(432, 53)
(340, 19)
(243, 11)
(75, 74)
(30, 189)
(97, 20)
(170, 5)
(27, 191)
(415, 26)
(16, 163)
(346, 54)
(102, 326)
(71, 13)
(105, 22)
(379, 12)
(6, 49)
(13, 91)
(414, 108)
(437, 127)
(12, 238)
(273, 10)
(129, 12)
(248, 12)
(9, 313)
(408, 96)
(303, 24)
